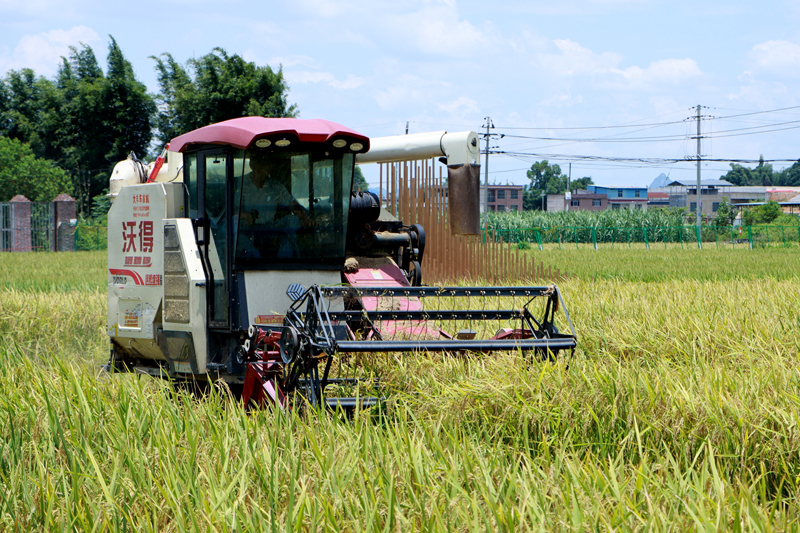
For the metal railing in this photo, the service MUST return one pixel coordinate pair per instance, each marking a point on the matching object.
(660, 236)
(91, 237)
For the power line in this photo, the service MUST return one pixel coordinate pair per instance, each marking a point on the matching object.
(759, 112)
(717, 134)
(655, 124)
(658, 160)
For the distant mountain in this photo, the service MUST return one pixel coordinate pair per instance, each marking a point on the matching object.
(660, 181)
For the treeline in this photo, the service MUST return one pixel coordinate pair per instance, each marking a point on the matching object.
(763, 175)
(84, 120)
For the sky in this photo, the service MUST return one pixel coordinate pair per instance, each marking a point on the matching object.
(610, 86)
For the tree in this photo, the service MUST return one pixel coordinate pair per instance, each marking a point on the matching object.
(740, 175)
(106, 117)
(359, 181)
(83, 120)
(21, 172)
(222, 87)
(762, 214)
(725, 214)
(545, 178)
(788, 177)
(582, 183)
(129, 109)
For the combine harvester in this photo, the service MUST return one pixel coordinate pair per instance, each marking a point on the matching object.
(243, 255)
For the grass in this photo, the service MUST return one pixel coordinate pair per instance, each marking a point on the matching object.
(678, 412)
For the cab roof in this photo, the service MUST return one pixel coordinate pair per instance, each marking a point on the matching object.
(243, 132)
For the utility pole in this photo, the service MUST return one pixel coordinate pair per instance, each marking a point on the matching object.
(486, 176)
(568, 195)
(569, 177)
(699, 196)
(489, 126)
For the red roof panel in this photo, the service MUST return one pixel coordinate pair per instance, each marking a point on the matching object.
(241, 132)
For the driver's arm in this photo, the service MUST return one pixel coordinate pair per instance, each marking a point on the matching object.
(286, 199)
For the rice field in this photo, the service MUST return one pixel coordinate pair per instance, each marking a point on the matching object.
(679, 411)
(658, 264)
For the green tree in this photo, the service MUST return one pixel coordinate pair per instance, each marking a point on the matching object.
(762, 214)
(83, 120)
(359, 181)
(788, 177)
(5, 109)
(581, 183)
(220, 87)
(725, 213)
(761, 175)
(21, 172)
(29, 99)
(129, 109)
(106, 117)
(545, 178)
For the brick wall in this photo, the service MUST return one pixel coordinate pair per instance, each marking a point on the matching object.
(64, 215)
(20, 224)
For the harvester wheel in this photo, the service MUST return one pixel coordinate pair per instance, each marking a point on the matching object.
(414, 274)
(241, 354)
(289, 344)
(420, 231)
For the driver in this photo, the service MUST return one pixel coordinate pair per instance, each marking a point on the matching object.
(266, 185)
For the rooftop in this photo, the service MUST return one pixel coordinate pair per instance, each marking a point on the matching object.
(703, 183)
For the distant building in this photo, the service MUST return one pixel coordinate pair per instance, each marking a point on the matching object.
(622, 197)
(505, 197)
(683, 193)
(581, 200)
(657, 199)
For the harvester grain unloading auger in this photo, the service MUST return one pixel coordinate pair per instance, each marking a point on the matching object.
(248, 259)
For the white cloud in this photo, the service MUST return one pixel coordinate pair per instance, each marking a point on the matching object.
(761, 94)
(306, 76)
(42, 52)
(776, 56)
(325, 8)
(438, 30)
(562, 99)
(293, 61)
(461, 106)
(573, 59)
(30, 7)
(663, 71)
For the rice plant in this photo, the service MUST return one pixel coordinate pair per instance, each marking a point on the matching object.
(679, 411)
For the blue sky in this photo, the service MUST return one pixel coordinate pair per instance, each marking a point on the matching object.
(447, 64)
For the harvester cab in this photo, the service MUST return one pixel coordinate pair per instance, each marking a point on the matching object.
(248, 258)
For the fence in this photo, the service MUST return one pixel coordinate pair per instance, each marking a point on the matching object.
(667, 236)
(91, 237)
(417, 196)
(27, 226)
